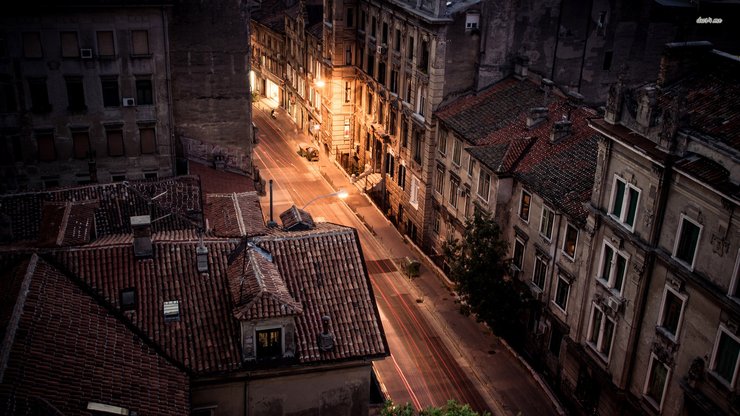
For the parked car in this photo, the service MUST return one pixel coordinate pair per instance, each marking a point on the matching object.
(309, 152)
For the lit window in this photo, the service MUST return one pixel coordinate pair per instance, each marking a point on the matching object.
(561, 293)
(687, 242)
(671, 312)
(656, 380)
(269, 343)
(546, 222)
(601, 332)
(624, 203)
(524, 203)
(613, 267)
(725, 356)
(570, 242)
(540, 272)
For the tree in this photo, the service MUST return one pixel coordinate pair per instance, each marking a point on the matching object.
(452, 408)
(480, 269)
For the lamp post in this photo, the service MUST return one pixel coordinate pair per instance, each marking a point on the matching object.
(341, 194)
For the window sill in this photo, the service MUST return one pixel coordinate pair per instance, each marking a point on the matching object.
(605, 284)
(140, 56)
(719, 382)
(559, 308)
(568, 257)
(546, 238)
(603, 358)
(649, 404)
(664, 333)
(688, 267)
(629, 228)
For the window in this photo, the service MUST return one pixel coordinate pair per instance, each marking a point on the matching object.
(442, 143)
(524, 203)
(671, 312)
(115, 142)
(381, 73)
(471, 165)
(81, 144)
(373, 26)
(404, 133)
(725, 356)
(369, 102)
(414, 194)
(540, 272)
(546, 222)
(394, 81)
(436, 222)
(408, 89)
(608, 55)
(410, 51)
(347, 92)
(397, 43)
(47, 149)
(70, 46)
(439, 180)
(424, 62)
(571, 239)
(561, 293)
(600, 332)
(456, 152)
(390, 164)
(128, 299)
(140, 42)
(32, 45)
(363, 19)
(402, 176)
(613, 268)
(385, 33)
(420, 100)
(471, 21)
(269, 343)
(7, 95)
(417, 146)
(454, 190)
(392, 121)
(148, 140)
(348, 55)
(624, 203)
(39, 95)
(734, 283)
(518, 258)
(106, 44)
(655, 382)
(687, 242)
(109, 86)
(144, 92)
(466, 208)
(75, 94)
(350, 17)
(484, 185)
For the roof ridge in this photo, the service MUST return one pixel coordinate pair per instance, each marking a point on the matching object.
(15, 317)
(63, 225)
(239, 216)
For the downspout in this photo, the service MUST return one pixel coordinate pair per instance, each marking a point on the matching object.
(557, 41)
(552, 269)
(173, 144)
(585, 44)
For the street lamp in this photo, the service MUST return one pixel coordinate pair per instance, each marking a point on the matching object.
(341, 194)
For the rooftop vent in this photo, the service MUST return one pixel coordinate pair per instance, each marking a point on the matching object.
(325, 339)
(201, 254)
(171, 311)
(128, 299)
(536, 116)
(141, 225)
(560, 130)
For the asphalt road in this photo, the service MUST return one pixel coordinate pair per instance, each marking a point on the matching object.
(421, 369)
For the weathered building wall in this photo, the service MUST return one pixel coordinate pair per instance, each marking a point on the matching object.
(210, 72)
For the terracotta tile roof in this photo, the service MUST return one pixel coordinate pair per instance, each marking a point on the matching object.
(271, 14)
(295, 219)
(324, 270)
(69, 350)
(214, 181)
(67, 223)
(562, 172)
(474, 116)
(709, 172)
(257, 289)
(234, 215)
(176, 205)
(205, 339)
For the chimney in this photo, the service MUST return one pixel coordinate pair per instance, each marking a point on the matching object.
(141, 225)
(325, 339)
(560, 130)
(201, 254)
(536, 116)
(547, 87)
(680, 59)
(521, 67)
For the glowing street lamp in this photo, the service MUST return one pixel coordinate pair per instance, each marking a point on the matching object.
(341, 194)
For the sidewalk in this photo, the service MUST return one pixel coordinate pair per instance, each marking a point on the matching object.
(508, 384)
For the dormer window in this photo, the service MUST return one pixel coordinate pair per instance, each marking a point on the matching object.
(471, 21)
(269, 343)
(128, 299)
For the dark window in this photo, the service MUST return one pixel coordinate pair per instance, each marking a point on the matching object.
(726, 357)
(140, 42)
(269, 343)
(32, 45)
(417, 146)
(404, 133)
(410, 51)
(39, 95)
(392, 122)
(390, 165)
(561, 293)
(518, 259)
(106, 44)
(148, 140)
(385, 33)
(424, 63)
(556, 338)
(381, 73)
(397, 44)
(70, 45)
(371, 64)
(540, 272)
(7, 96)
(350, 17)
(46, 147)
(394, 81)
(607, 60)
(151, 175)
(671, 312)
(373, 27)
(402, 177)
(363, 19)
(110, 92)
(75, 94)
(128, 299)
(115, 142)
(348, 55)
(144, 92)
(81, 144)
(688, 240)
(657, 381)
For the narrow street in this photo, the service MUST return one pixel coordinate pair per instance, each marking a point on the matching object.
(430, 362)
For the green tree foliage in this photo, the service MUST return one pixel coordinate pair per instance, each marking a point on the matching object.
(480, 268)
(452, 408)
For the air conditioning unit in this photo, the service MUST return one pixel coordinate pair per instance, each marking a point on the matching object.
(614, 304)
(86, 53)
(129, 102)
(381, 49)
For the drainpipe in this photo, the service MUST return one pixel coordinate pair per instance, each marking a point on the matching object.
(557, 42)
(271, 223)
(173, 144)
(585, 43)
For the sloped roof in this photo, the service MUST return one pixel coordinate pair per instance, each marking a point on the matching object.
(234, 215)
(270, 13)
(70, 350)
(295, 219)
(174, 203)
(324, 271)
(709, 172)
(502, 157)
(474, 116)
(67, 223)
(219, 181)
(257, 289)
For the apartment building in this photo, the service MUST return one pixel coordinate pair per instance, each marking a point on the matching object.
(661, 334)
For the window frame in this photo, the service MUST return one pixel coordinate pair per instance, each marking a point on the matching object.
(624, 209)
(519, 242)
(77, 136)
(134, 51)
(439, 180)
(456, 152)
(563, 308)
(98, 43)
(565, 241)
(661, 315)
(598, 345)
(545, 208)
(540, 260)
(64, 37)
(442, 148)
(414, 192)
(485, 197)
(609, 282)
(735, 281)
(713, 362)
(108, 133)
(454, 191)
(653, 360)
(141, 91)
(279, 330)
(522, 207)
(678, 240)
